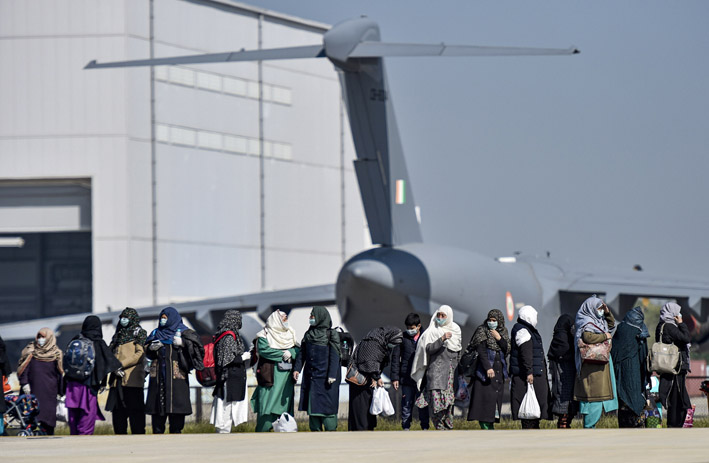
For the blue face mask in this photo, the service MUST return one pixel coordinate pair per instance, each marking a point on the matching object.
(412, 332)
(311, 321)
(492, 325)
(285, 324)
(599, 312)
(440, 321)
(124, 321)
(163, 321)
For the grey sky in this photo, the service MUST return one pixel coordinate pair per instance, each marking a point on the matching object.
(600, 158)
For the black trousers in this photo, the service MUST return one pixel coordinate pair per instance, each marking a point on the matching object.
(132, 409)
(177, 422)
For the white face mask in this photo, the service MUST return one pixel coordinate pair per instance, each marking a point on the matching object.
(41, 341)
(163, 321)
(124, 321)
(599, 312)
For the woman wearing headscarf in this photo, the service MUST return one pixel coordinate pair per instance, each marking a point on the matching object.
(230, 370)
(81, 396)
(673, 390)
(437, 356)
(277, 346)
(492, 343)
(595, 383)
(629, 353)
(319, 357)
(125, 396)
(562, 367)
(40, 373)
(173, 350)
(369, 358)
(528, 366)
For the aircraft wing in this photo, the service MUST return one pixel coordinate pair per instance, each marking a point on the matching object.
(383, 49)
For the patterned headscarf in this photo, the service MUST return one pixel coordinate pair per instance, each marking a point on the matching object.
(320, 333)
(49, 352)
(483, 333)
(371, 353)
(228, 348)
(588, 320)
(130, 333)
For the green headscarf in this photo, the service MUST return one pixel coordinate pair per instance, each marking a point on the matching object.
(321, 333)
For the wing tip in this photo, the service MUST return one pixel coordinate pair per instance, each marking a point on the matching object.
(91, 64)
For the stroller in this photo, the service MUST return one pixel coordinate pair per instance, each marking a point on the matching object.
(21, 415)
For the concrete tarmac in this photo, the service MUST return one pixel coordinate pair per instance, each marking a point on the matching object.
(599, 445)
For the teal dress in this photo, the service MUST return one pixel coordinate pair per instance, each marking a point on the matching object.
(270, 402)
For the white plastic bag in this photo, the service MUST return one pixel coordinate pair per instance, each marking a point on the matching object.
(529, 408)
(62, 412)
(285, 423)
(381, 403)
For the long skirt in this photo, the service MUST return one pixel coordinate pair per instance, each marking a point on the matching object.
(359, 417)
(440, 404)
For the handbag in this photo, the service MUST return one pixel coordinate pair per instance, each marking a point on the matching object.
(664, 358)
(468, 362)
(354, 376)
(598, 353)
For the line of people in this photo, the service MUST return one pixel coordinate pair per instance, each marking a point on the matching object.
(426, 365)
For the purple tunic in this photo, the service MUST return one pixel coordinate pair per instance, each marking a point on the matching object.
(83, 409)
(45, 383)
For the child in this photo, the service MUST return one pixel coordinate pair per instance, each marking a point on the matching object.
(401, 359)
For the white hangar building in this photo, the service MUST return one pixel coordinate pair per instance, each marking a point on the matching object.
(139, 186)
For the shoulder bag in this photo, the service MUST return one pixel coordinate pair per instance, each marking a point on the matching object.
(664, 358)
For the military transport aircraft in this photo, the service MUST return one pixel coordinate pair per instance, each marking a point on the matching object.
(402, 273)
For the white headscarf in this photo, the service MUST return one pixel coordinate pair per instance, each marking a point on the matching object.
(277, 334)
(432, 334)
(529, 315)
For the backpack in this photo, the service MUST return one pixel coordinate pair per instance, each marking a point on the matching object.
(346, 346)
(79, 359)
(208, 376)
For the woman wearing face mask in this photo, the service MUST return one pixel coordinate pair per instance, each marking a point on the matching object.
(673, 390)
(437, 355)
(319, 357)
(40, 373)
(492, 343)
(82, 395)
(125, 397)
(528, 366)
(595, 383)
(173, 350)
(369, 358)
(276, 346)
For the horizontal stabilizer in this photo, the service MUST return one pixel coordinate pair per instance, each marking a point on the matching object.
(381, 49)
(310, 51)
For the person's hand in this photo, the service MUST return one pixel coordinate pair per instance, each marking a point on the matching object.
(495, 335)
(177, 341)
(608, 335)
(331, 380)
(447, 336)
(490, 373)
(374, 384)
(678, 319)
(120, 373)
(245, 356)
(380, 383)
(530, 379)
(26, 389)
(395, 384)
(295, 376)
(155, 345)
(287, 356)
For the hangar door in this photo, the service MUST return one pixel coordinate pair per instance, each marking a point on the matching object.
(45, 249)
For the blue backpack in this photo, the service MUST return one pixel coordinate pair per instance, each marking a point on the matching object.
(79, 359)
